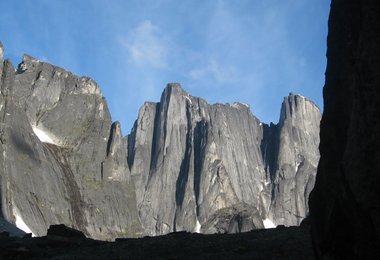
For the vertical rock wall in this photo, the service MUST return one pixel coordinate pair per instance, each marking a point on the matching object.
(186, 165)
(196, 164)
(62, 160)
(345, 203)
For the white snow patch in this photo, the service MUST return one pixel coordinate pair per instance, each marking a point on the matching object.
(198, 226)
(238, 105)
(188, 98)
(21, 225)
(43, 136)
(297, 166)
(101, 109)
(268, 223)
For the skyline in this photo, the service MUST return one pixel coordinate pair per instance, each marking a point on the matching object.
(254, 52)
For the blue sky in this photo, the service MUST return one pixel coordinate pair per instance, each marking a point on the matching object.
(251, 51)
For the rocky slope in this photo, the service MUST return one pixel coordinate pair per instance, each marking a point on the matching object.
(186, 165)
(345, 204)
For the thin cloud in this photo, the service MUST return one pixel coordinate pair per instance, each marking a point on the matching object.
(213, 70)
(147, 45)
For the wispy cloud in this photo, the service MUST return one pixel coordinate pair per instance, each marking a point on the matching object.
(147, 45)
(215, 71)
(224, 51)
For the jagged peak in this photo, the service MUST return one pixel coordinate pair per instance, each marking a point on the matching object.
(295, 105)
(29, 58)
(88, 85)
(174, 89)
(175, 86)
(29, 61)
(241, 106)
(295, 99)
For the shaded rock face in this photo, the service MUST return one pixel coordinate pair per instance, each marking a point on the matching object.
(190, 161)
(235, 219)
(345, 203)
(62, 159)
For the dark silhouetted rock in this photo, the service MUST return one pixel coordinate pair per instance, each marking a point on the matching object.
(64, 231)
(284, 243)
(345, 203)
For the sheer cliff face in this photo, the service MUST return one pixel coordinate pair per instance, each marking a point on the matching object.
(297, 160)
(193, 163)
(345, 203)
(62, 160)
(186, 165)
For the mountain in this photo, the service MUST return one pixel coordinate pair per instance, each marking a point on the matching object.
(186, 165)
(193, 162)
(345, 203)
(62, 159)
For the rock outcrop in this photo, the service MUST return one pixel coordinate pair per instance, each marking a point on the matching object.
(293, 174)
(186, 165)
(345, 203)
(192, 162)
(60, 154)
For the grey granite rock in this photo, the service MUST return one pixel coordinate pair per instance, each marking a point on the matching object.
(186, 165)
(190, 160)
(294, 172)
(63, 162)
(345, 203)
(234, 219)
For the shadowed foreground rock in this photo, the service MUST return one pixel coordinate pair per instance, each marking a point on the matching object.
(345, 203)
(279, 243)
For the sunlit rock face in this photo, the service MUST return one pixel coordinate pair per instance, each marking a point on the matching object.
(199, 164)
(62, 160)
(186, 165)
(345, 203)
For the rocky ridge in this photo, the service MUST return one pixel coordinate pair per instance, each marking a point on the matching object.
(205, 158)
(186, 165)
(60, 168)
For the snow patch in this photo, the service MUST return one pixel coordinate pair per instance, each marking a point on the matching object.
(268, 223)
(21, 225)
(198, 226)
(43, 136)
(188, 98)
(239, 105)
(297, 166)
(101, 109)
